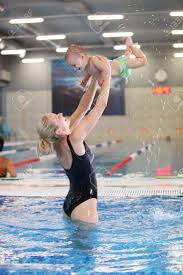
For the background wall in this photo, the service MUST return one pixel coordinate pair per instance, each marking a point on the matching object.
(147, 115)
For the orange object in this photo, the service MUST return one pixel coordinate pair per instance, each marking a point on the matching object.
(161, 90)
(179, 131)
(163, 171)
(110, 131)
(144, 131)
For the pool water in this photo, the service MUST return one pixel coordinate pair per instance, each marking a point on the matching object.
(134, 236)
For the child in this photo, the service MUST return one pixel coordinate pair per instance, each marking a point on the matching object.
(96, 65)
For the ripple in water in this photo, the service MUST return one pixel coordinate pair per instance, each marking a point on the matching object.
(133, 235)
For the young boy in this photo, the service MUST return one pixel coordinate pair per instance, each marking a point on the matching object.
(96, 65)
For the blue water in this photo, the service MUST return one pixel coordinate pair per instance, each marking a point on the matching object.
(134, 236)
(140, 236)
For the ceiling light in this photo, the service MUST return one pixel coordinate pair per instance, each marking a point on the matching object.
(119, 47)
(33, 60)
(13, 52)
(123, 47)
(2, 45)
(176, 13)
(177, 32)
(178, 54)
(51, 37)
(23, 54)
(178, 45)
(26, 20)
(61, 50)
(105, 17)
(132, 56)
(117, 34)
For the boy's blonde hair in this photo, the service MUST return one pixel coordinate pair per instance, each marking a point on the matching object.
(46, 132)
(74, 49)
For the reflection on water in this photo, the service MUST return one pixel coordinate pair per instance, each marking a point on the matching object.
(132, 235)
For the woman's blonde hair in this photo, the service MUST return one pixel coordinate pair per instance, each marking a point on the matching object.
(46, 132)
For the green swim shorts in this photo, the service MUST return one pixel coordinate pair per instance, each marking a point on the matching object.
(122, 61)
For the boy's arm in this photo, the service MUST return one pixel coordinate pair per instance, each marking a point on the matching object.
(140, 58)
(85, 80)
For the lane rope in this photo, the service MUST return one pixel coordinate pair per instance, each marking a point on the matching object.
(129, 158)
(52, 156)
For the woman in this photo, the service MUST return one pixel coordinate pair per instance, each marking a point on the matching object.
(67, 137)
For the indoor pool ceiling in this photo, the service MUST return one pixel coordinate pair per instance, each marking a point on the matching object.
(150, 22)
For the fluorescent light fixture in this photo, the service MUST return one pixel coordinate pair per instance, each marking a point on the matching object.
(117, 34)
(123, 47)
(13, 52)
(178, 45)
(23, 54)
(2, 45)
(177, 32)
(132, 56)
(176, 13)
(178, 54)
(105, 17)
(26, 20)
(119, 47)
(33, 60)
(61, 50)
(51, 37)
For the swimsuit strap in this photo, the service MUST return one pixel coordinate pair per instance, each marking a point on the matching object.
(70, 146)
(72, 149)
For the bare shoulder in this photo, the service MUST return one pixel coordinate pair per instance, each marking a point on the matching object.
(76, 140)
(75, 136)
(97, 58)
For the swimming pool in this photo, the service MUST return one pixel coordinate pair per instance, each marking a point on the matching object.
(161, 155)
(134, 236)
(140, 228)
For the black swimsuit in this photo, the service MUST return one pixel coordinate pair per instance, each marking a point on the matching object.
(83, 183)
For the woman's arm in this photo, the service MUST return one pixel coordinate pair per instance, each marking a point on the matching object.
(84, 104)
(90, 120)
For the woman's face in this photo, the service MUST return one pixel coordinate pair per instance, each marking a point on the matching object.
(60, 122)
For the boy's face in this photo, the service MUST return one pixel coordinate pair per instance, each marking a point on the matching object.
(78, 61)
